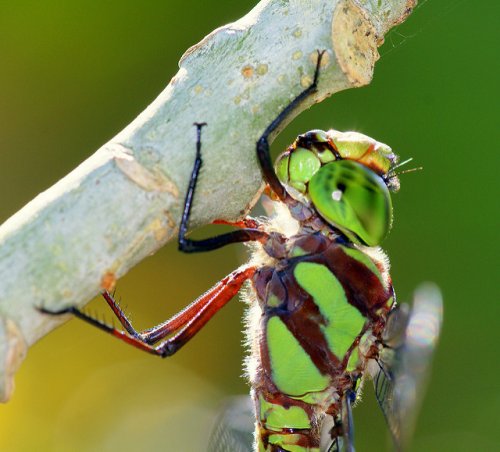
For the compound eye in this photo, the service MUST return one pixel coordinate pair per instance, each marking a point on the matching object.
(351, 197)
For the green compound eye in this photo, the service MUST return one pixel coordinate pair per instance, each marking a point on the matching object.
(353, 198)
(297, 168)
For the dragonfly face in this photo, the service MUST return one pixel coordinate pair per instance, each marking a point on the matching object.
(344, 175)
(322, 310)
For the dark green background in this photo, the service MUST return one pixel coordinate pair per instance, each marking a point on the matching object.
(72, 74)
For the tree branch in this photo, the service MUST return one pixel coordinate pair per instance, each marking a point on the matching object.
(124, 202)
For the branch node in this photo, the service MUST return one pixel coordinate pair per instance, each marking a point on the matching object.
(149, 180)
(13, 350)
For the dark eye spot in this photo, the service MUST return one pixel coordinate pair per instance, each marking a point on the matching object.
(341, 187)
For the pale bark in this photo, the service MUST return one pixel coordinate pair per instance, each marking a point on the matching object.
(124, 202)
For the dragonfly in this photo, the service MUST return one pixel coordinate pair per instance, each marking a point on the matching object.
(322, 313)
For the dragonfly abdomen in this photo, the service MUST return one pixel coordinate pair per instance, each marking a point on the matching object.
(320, 316)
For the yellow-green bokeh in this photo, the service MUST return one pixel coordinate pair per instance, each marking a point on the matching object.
(75, 73)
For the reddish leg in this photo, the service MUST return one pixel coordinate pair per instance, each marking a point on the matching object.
(183, 325)
(247, 222)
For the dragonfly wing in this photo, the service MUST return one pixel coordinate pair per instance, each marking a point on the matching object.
(401, 370)
(234, 426)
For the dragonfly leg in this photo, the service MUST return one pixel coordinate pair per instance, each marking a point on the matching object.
(181, 327)
(251, 231)
(247, 222)
(263, 143)
(251, 228)
(347, 421)
(342, 432)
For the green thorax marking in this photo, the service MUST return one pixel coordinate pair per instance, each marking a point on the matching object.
(290, 443)
(277, 417)
(353, 361)
(293, 371)
(343, 321)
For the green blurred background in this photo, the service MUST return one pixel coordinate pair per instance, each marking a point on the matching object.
(75, 73)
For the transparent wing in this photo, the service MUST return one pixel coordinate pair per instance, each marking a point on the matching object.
(401, 371)
(234, 426)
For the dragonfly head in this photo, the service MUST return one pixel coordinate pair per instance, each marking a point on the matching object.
(347, 177)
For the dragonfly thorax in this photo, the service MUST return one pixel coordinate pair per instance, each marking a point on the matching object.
(316, 319)
(345, 177)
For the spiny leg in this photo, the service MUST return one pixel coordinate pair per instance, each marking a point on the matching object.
(183, 325)
(263, 153)
(120, 315)
(102, 326)
(233, 281)
(251, 231)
